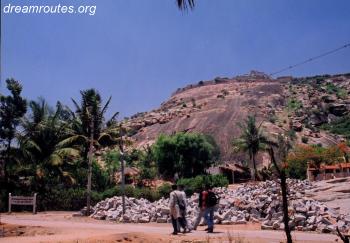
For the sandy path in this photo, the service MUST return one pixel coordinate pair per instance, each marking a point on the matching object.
(64, 228)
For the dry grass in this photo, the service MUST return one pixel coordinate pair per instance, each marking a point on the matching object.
(228, 239)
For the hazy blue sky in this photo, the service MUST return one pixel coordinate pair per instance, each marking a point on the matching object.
(140, 51)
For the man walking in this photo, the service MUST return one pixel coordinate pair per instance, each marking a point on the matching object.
(201, 207)
(211, 201)
(174, 209)
(182, 206)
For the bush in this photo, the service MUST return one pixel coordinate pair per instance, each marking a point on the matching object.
(294, 104)
(188, 154)
(273, 119)
(297, 169)
(304, 139)
(75, 199)
(146, 193)
(342, 94)
(197, 183)
(70, 199)
(225, 92)
(164, 190)
(341, 126)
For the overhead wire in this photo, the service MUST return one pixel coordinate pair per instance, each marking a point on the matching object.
(311, 59)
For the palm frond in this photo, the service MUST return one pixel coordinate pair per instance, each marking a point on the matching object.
(75, 139)
(77, 107)
(55, 159)
(68, 176)
(184, 4)
(68, 152)
(104, 109)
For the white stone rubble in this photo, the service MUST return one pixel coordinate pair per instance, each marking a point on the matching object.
(258, 203)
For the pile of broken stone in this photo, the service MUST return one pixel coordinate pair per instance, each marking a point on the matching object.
(255, 202)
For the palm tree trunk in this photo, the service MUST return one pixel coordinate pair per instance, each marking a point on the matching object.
(255, 172)
(282, 175)
(285, 206)
(88, 200)
(123, 175)
(5, 164)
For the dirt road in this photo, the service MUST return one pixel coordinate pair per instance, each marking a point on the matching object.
(62, 227)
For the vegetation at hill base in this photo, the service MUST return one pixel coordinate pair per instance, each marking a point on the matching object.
(44, 149)
(198, 183)
(302, 154)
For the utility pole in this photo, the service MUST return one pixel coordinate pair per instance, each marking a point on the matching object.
(91, 148)
(121, 148)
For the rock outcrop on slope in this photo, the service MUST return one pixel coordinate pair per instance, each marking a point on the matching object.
(215, 107)
(259, 203)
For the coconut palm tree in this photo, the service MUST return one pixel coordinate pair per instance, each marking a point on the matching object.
(89, 129)
(42, 131)
(251, 141)
(184, 4)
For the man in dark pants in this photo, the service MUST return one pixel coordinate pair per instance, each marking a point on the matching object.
(201, 207)
(211, 201)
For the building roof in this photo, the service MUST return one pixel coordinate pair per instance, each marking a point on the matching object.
(332, 167)
(232, 167)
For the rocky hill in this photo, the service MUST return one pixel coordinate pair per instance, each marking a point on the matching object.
(216, 107)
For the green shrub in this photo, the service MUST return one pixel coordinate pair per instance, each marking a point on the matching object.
(188, 154)
(292, 134)
(146, 193)
(294, 104)
(342, 94)
(197, 183)
(164, 190)
(273, 119)
(341, 126)
(331, 88)
(225, 92)
(297, 169)
(70, 199)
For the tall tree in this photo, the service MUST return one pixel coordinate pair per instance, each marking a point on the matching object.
(251, 141)
(39, 152)
(187, 154)
(283, 145)
(12, 109)
(89, 129)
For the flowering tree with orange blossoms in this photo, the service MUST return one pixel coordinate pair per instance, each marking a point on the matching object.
(315, 155)
(345, 149)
